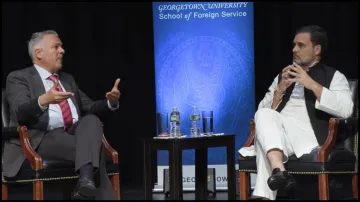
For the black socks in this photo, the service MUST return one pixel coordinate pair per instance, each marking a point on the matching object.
(86, 171)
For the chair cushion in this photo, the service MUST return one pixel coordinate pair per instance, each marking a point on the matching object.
(248, 165)
(338, 161)
(342, 156)
(54, 169)
(334, 156)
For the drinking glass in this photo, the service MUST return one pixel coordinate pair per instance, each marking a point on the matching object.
(207, 122)
(162, 123)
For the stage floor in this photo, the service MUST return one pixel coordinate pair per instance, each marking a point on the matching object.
(128, 192)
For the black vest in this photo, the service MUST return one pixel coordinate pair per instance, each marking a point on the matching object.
(322, 74)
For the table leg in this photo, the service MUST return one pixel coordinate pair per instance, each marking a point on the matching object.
(201, 159)
(147, 170)
(230, 151)
(175, 173)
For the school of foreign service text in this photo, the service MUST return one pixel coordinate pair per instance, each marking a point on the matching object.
(198, 15)
(205, 6)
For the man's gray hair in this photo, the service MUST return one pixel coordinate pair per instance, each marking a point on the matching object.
(35, 39)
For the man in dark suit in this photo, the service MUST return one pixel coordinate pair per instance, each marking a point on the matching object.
(62, 121)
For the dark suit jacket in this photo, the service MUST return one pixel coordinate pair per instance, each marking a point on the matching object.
(23, 88)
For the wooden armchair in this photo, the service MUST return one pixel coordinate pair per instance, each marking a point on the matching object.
(338, 155)
(36, 170)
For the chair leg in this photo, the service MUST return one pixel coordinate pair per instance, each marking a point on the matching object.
(355, 186)
(323, 187)
(67, 188)
(4, 192)
(115, 181)
(38, 190)
(243, 185)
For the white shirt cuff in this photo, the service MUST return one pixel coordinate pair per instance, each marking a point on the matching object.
(327, 101)
(41, 107)
(111, 107)
(270, 100)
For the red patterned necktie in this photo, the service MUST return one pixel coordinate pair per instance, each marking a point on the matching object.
(64, 105)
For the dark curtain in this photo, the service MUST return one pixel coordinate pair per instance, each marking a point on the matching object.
(107, 40)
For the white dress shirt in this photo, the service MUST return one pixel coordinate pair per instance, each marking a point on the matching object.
(55, 114)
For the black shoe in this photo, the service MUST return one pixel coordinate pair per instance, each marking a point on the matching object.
(280, 180)
(85, 189)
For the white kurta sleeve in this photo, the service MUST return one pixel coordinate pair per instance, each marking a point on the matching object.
(337, 99)
(266, 102)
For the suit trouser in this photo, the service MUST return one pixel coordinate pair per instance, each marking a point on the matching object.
(82, 144)
(272, 131)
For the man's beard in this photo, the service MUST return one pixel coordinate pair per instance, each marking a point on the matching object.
(305, 62)
(302, 63)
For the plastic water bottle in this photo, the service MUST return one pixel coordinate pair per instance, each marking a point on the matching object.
(175, 123)
(195, 122)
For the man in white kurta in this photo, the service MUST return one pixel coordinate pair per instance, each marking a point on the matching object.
(290, 131)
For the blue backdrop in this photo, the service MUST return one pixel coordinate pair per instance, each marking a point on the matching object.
(204, 57)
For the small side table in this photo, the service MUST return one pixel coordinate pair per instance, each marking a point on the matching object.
(175, 147)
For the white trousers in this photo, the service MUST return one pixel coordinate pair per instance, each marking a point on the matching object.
(273, 130)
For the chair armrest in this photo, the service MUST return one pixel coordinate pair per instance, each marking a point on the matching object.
(33, 157)
(9, 133)
(330, 140)
(250, 139)
(335, 125)
(110, 151)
